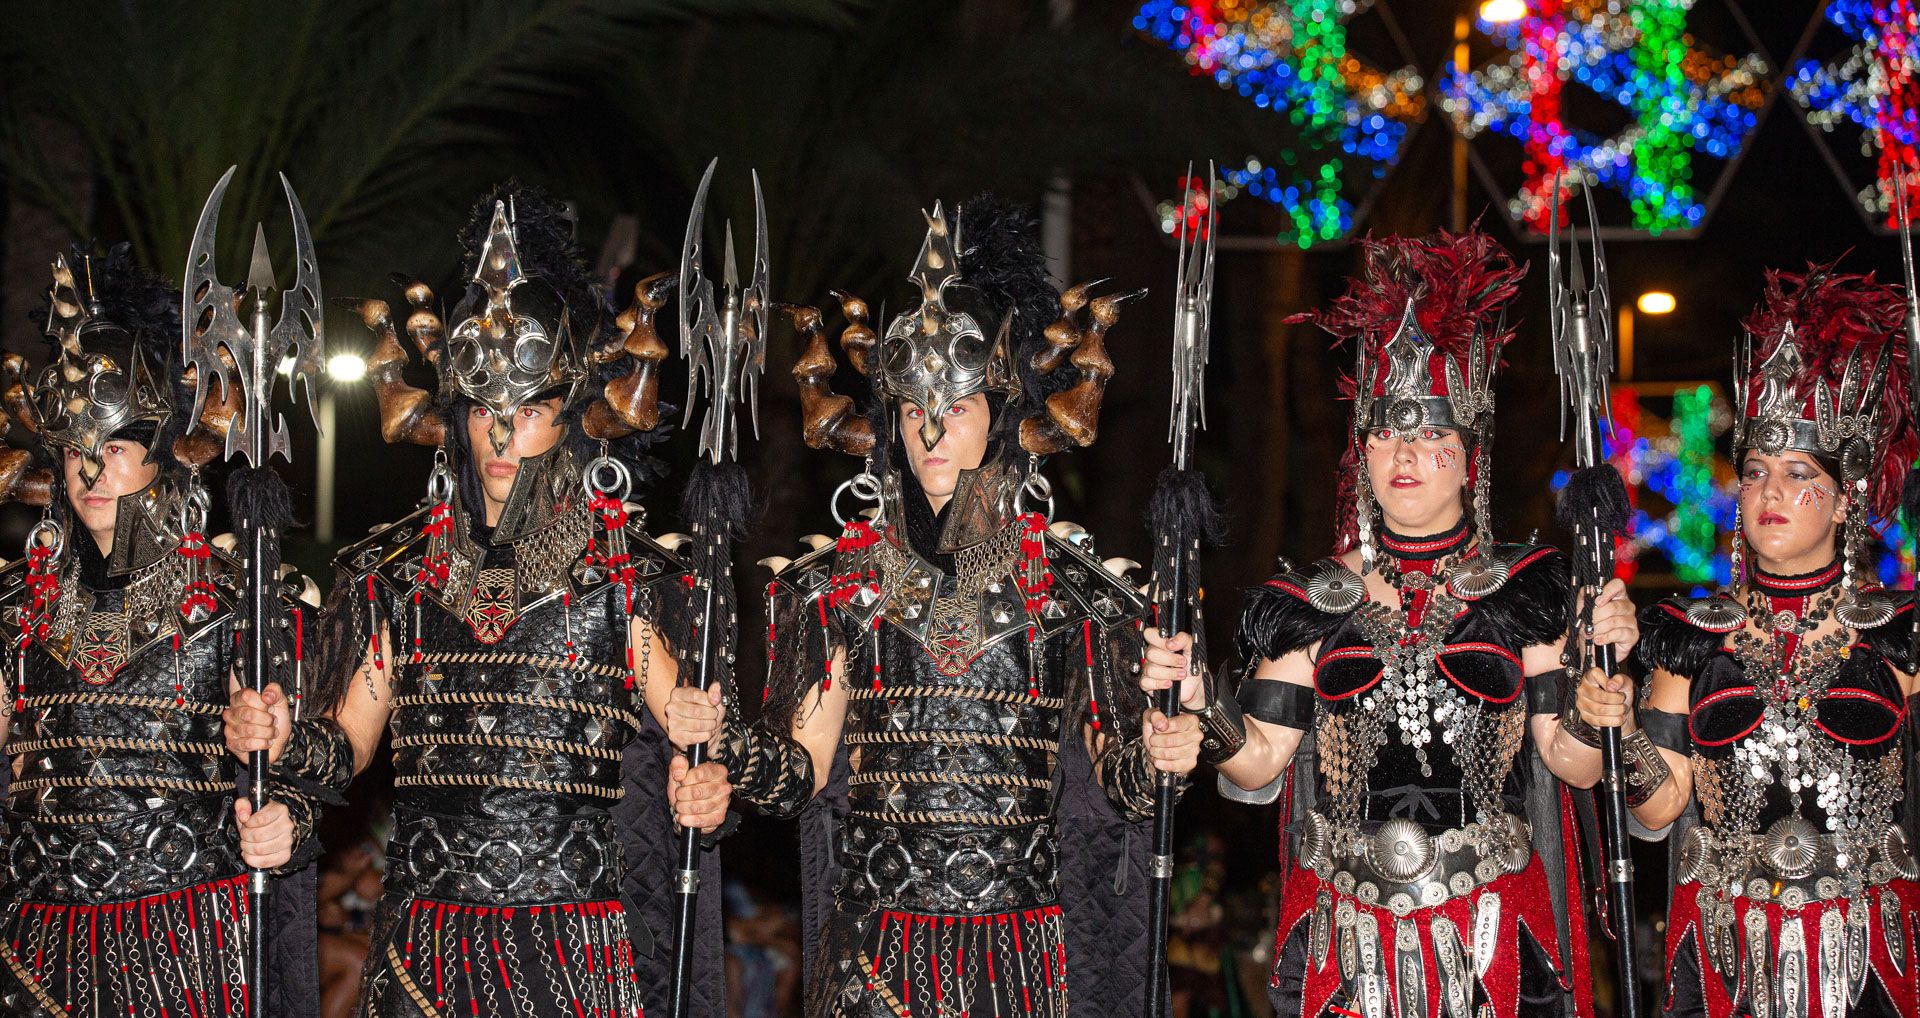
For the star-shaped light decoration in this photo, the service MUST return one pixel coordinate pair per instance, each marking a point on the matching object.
(1683, 100)
(1346, 120)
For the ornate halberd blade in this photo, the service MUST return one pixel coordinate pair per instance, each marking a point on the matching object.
(756, 302)
(698, 315)
(210, 322)
(300, 332)
(1913, 299)
(723, 337)
(1193, 323)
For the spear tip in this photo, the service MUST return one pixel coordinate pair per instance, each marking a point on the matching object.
(260, 275)
(732, 278)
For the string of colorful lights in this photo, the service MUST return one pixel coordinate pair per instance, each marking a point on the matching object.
(1638, 56)
(1682, 490)
(1291, 56)
(1873, 87)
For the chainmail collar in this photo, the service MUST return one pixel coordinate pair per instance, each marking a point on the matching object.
(539, 558)
(983, 505)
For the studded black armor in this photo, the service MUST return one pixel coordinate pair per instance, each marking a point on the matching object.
(516, 700)
(123, 806)
(963, 686)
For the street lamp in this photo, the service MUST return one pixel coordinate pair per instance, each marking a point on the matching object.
(1652, 302)
(1655, 302)
(1502, 12)
(351, 367)
(342, 369)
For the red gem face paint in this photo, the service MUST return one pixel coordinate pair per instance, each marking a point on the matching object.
(1813, 496)
(1447, 457)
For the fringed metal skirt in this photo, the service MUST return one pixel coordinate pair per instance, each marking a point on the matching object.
(1735, 955)
(885, 963)
(430, 959)
(177, 954)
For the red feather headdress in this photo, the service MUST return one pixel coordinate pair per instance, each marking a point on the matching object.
(1823, 347)
(1426, 317)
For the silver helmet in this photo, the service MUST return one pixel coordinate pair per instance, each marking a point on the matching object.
(521, 343)
(949, 346)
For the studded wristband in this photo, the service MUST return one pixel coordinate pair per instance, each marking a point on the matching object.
(1131, 780)
(771, 771)
(1223, 729)
(1645, 769)
(1572, 723)
(317, 754)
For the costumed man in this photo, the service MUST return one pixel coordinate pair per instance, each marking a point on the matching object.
(1417, 676)
(1779, 707)
(126, 847)
(952, 681)
(515, 636)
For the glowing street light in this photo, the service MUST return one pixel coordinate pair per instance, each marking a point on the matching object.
(1503, 12)
(349, 367)
(1655, 302)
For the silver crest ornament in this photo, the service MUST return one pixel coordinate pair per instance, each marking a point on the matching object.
(1759, 958)
(1790, 970)
(1833, 961)
(1893, 928)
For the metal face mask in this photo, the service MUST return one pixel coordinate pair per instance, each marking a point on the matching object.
(521, 344)
(940, 352)
(101, 381)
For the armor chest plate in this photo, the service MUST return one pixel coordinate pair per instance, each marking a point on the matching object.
(1430, 729)
(531, 723)
(115, 726)
(974, 748)
(1818, 745)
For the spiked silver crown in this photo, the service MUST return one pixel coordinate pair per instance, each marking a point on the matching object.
(1844, 424)
(1407, 403)
(939, 352)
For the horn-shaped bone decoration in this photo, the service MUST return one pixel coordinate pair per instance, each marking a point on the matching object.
(207, 440)
(1072, 417)
(828, 419)
(20, 482)
(407, 412)
(631, 402)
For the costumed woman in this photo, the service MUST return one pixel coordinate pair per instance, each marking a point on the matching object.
(126, 848)
(952, 701)
(514, 635)
(1779, 706)
(1416, 676)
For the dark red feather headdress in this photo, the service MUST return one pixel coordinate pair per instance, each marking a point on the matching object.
(1426, 317)
(1826, 373)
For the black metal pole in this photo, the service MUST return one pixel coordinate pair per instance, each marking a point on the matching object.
(1173, 620)
(686, 878)
(1618, 869)
(256, 791)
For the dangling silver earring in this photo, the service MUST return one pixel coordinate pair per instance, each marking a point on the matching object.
(1850, 539)
(1482, 496)
(1854, 611)
(1735, 549)
(1363, 516)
